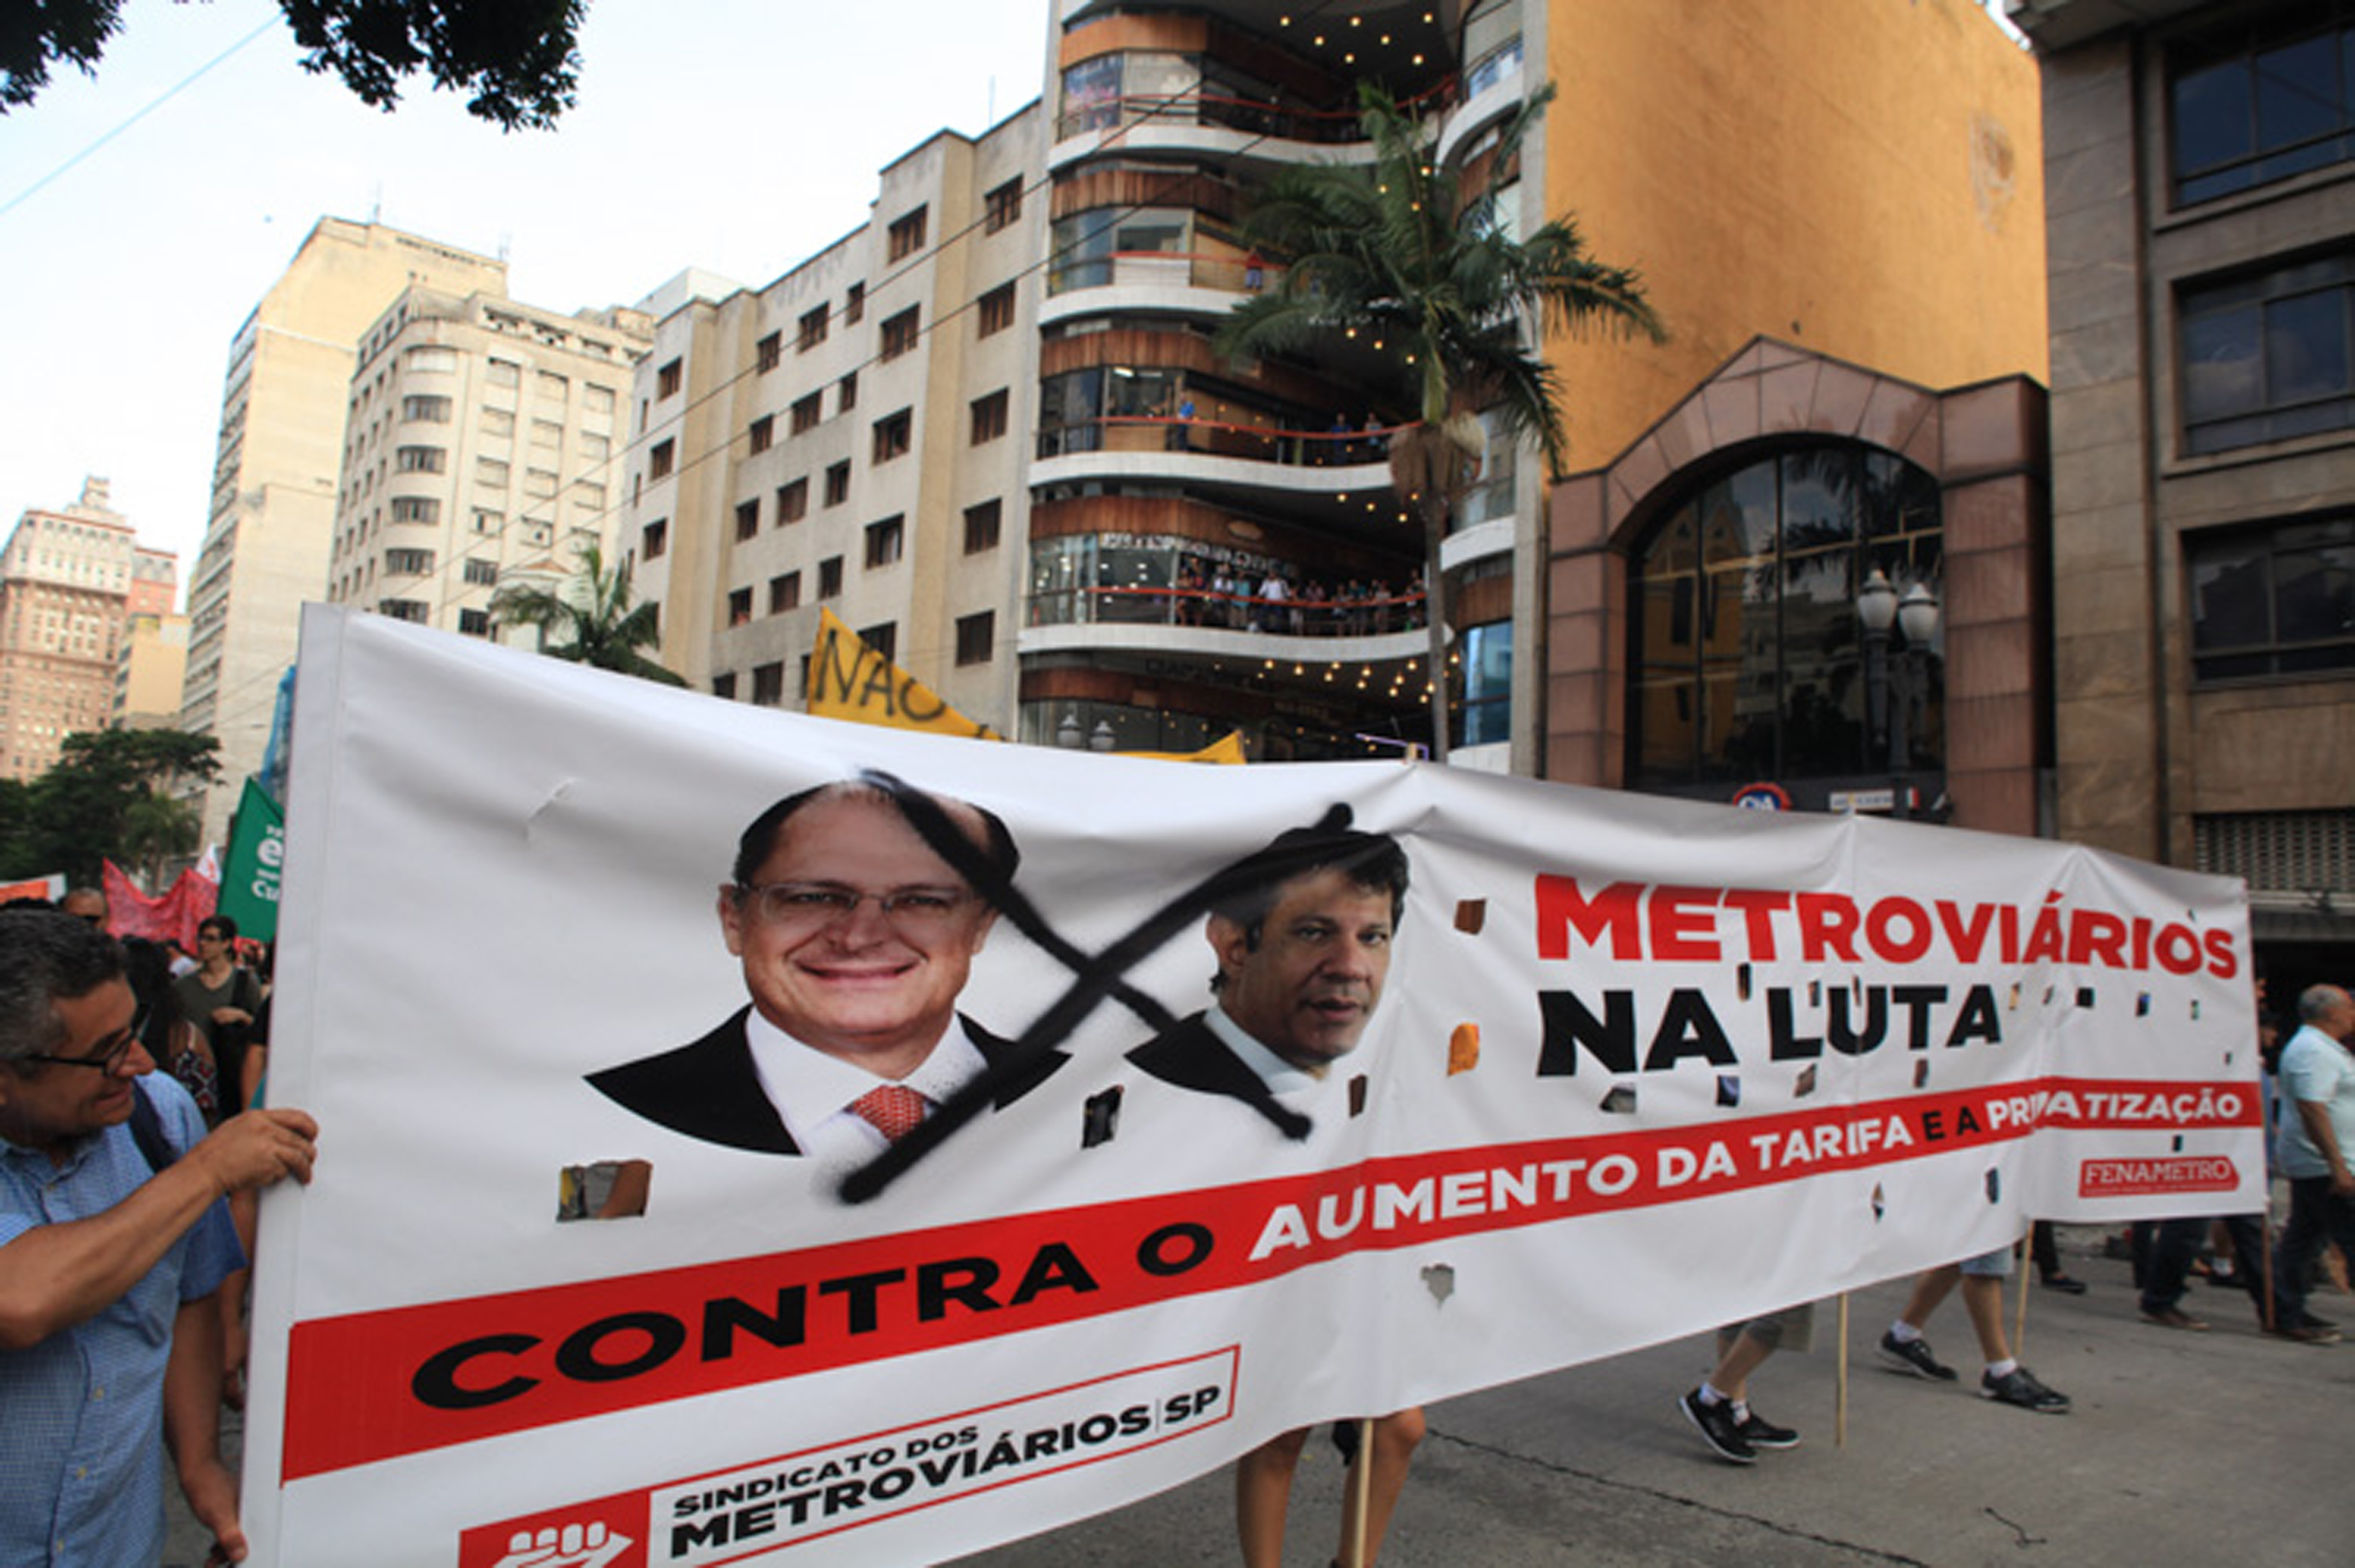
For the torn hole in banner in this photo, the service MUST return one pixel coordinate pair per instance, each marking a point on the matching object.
(1922, 1073)
(1879, 1202)
(1358, 1095)
(1100, 1117)
(1471, 915)
(1463, 1048)
(1620, 1101)
(603, 1190)
(1804, 1084)
(1994, 1185)
(1729, 1089)
(1440, 1280)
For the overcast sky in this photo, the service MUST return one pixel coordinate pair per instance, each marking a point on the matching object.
(739, 136)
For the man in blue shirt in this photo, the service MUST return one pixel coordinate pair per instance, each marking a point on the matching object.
(113, 1245)
(2316, 1153)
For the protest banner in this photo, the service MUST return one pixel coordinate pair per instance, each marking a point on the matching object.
(1629, 1067)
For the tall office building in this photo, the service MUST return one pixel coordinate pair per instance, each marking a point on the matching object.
(271, 522)
(2202, 226)
(67, 579)
(483, 439)
(850, 436)
(1835, 214)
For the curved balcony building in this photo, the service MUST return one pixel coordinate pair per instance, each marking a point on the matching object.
(1213, 545)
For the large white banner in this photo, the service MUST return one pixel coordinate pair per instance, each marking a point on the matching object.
(579, 1281)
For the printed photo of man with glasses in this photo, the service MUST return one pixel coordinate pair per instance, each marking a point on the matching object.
(857, 909)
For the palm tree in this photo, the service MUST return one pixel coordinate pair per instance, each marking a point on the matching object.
(592, 613)
(1412, 259)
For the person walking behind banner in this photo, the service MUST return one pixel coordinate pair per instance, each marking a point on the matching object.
(2316, 1153)
(2005, 1380)
(113, 1244)
(219, 996)
(1719, 1408)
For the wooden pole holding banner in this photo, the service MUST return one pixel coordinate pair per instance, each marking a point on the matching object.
(2020, 1319)
(1840, 1380)
(1361, 1495)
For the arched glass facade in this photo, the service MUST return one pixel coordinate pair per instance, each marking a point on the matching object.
(1749, 662)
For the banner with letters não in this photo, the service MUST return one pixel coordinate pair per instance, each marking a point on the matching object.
(616, 1255)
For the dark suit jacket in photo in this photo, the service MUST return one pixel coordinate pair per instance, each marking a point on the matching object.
(710, 1090)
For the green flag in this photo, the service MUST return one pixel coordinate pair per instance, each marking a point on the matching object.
(250, 871)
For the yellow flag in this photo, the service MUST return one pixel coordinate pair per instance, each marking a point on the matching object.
(1228, 751)
(848, 680)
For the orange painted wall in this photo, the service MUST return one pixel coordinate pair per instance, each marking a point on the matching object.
(1859, 177)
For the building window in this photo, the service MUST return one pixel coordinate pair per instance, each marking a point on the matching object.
(838, 483)
(884, 542)
(490, 525)
(769, 684)
(426, 409)
(899, 334)
(2272, 600)
(662, 458)
(995, 310)
(498, 422)
(812, 330)
(482, 573)
(806, 413)
(768, 354)
(883, 639)
(976, 637)
(490, 472)
(434, 358)
(475, 622)
(540, 482)
(404, 610)
(502, 373)
(548, 435)
(420, 459)
(847, 393)
(1002, 207)
(1748, 657)
(596, 400)
(553, 386)
(408, 563)
(669, 380)
(892, 434)
(2267, 357)
(655, 540)
(2262, 102)
(792, 501)
(981, 525)
(854, 304)
(785, 593)
(905, 236)
(594, 445)
(416, 509)
(748, 519)
(988, 417)
(739, 606)
(723, 685)
(829, 577)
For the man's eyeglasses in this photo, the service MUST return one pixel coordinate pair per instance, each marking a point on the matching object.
(106, 1059)
(813, 905)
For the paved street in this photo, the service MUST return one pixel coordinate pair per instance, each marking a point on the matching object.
(2183, 1449)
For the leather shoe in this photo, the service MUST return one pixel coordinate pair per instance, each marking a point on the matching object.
(2173, 1317)
(2063, 1283)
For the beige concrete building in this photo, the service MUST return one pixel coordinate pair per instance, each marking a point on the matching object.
(850, 436)
(272, 520)
(66, 585)
(483, 438)
(147, 677)
(2200, 168)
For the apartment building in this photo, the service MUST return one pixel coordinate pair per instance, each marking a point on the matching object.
(1849, 263)
(850, 436)
(2201, 171)
(271, 522)
(69, 579)
(482, 440)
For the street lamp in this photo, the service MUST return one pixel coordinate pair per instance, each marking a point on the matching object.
(1881, 609)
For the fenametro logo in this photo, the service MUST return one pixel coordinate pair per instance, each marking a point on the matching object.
(2139, 1178)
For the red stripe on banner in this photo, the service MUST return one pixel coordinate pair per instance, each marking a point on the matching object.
(369, 1386)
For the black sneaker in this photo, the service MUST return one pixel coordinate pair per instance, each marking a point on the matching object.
(1716, 1425)
(1913, 1356)
(1761, 1432)
(2018, 1386)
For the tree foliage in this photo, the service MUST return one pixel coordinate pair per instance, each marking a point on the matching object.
(100, 803)
(588, 619)
(517, 59)
(1406, 253)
